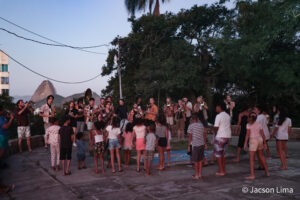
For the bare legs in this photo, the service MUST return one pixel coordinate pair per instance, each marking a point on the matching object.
(138, 160)
(221, 163)
(68, 167)
(262, 160)
(126, 157)
(28, 144)
(198, 169)
(161, 151)
(100, 156)
(282, 155)
(112, 159)
(238, 154)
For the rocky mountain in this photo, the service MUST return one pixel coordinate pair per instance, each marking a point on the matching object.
(45, 89)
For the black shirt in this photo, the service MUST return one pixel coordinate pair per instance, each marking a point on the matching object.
(121, 111)
(66, 133)
(22, 120)
(74, 112)
(80, 112)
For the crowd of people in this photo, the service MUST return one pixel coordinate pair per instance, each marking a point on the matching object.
(113, 129)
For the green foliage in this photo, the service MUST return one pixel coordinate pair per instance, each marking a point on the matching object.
(251, 52)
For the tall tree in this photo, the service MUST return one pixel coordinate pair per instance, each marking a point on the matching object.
(138, 5)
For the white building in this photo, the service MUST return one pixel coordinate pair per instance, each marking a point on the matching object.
(4, 74)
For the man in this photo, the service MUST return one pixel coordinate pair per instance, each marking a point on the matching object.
(80, 117)
(122, 113)
(47, 112)
(4, 132)
(169, 113)
(152, 110)
(188, 107)
(222, 129)
(21, 113)
(197, 138)
(229, 105)
(201, 107)
(90, 116)
(101, 106)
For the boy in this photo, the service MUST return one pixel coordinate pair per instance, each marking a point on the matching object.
(150, 147)
(66, 132)
(197, 138)
(81, 149)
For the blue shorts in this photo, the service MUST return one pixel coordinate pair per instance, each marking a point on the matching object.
(80, 156)
(113, 144)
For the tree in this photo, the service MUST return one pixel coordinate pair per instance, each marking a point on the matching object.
(137, 5)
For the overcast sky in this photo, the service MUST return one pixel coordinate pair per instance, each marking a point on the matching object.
(78, 23)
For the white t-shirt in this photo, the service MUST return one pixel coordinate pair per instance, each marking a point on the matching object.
(188, 112)
(98, 138)
(113, 132)
(140, 131)
(283, 129)
(222, 121)
(263, 121)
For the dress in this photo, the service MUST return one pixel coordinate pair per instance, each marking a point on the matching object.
(243, 131)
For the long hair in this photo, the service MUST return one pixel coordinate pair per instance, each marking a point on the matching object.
(282, 116)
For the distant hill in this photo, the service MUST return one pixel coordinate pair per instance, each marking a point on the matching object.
(45, 89)
(24, 98)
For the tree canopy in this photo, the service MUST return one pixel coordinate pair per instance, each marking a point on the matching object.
(250, 51)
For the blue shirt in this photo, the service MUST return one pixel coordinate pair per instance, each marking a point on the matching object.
(81, 147)
(3, 121)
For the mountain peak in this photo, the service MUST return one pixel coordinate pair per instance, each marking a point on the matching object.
(45, 89)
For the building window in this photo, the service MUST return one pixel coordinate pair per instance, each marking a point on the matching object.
(4, 68)
(4, 80)
(5, 92)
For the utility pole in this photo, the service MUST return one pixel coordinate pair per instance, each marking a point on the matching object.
(119, 69)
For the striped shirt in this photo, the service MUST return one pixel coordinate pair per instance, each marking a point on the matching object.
(196, 130)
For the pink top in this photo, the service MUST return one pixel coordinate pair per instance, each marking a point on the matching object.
(128, 137)
(52, 135)
(255, 129)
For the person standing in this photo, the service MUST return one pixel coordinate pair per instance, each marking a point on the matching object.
(242, 130)
(162, 134)
(197, 138)
(5, 124)
(80, 117)
(222, 129)
(21, 115)
(90, 115)
(72, 113)
(263, 121)
(47, 112)
(169, 114)
(122, 113)
(53, 139)
(229, 105)
(180, 119)
(201, 108)
(188, 108)
(282, 131)
(152, 110)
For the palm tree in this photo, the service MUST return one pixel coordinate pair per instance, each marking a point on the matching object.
(137, 5)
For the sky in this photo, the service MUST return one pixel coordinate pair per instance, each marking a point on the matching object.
(77, 23)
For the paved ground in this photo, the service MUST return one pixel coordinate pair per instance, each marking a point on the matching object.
(33, 179)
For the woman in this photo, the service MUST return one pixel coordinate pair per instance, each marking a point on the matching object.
(257, 143)
(72, 112)
(139, 132)
(242, 128)
(107, 114)
(180, 119)
(162, 134)
(282, 131)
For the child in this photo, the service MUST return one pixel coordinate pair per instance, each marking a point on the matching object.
(257, 143)
(81, 149)
(52, 138)
(150, 147)
(114, 144)
(282, 131)
(127, 145)
(197, 139)
(168, 149)
(66, 134)
(99, 144)
(139, 132)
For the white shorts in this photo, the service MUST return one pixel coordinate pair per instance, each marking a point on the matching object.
(170, 121)
(89, 126)
(23, 131)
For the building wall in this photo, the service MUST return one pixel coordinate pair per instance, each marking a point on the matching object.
(4, 61)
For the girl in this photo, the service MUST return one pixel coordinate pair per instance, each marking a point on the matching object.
(162, 134)
(257, 142)
(81, 149)
(180, 119)
(99, 144)
(127, 145)
(168, 149)
(139, 132)
(114, 144)
(52, 137)
(282, 131)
